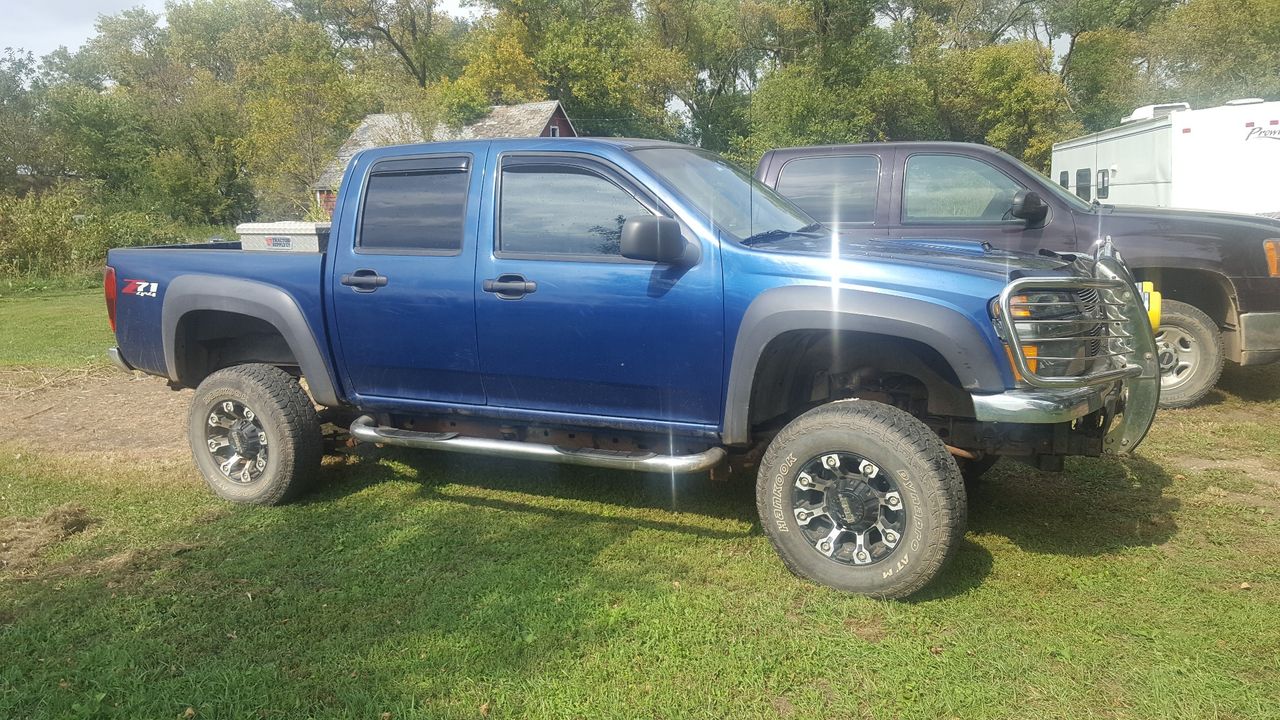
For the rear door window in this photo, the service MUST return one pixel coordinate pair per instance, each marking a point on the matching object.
(833, 189)
(415, 207)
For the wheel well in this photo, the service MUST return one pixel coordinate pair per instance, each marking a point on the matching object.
(208, 340)
(1208, 291)
(804, 368)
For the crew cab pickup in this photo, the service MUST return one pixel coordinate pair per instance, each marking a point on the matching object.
(1219, 272)
(640, 305)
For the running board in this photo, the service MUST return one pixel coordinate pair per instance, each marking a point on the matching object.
(366, 429)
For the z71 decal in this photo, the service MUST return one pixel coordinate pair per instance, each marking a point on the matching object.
(141, 288)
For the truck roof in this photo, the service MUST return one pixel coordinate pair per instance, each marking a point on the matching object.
(844, 149)
(937, 145)
(551, 142)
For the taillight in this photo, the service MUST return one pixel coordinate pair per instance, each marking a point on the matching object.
(109, 290)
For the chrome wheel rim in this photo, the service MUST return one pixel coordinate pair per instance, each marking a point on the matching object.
(1178, 354)
(849, 509)
(236, 441)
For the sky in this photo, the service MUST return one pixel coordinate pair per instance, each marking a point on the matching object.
(42, 26)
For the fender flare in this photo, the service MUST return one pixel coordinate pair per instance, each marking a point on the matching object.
(811, 307)
(189, 293)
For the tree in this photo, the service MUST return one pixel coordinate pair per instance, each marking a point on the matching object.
(27, 159)
(423, 37)
(299, 106)
(1210, 51)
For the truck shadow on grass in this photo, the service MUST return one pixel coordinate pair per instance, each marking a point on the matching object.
(1097, 506)
(691, 505)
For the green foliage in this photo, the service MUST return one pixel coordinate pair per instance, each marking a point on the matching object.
(62, 232)
(230, 110)
(1217, 50)
(999, 95)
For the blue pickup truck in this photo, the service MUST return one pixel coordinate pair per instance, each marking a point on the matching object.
(641, 305)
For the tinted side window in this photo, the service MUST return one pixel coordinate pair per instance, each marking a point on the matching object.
(414, 210)
(1064, 179)
(955, 189)
(551, 209)
(833, 189)
(1083, 178)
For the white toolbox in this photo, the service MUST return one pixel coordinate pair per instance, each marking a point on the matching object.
(299, 237)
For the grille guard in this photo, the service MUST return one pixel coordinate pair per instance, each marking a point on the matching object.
(1133, 390)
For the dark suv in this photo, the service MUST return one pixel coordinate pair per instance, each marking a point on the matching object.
(1219, 272)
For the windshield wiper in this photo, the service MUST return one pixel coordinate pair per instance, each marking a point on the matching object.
(780, 234)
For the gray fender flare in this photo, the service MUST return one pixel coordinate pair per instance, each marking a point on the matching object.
(188, 293)
(811, 307)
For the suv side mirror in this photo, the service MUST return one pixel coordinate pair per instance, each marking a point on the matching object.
(653, 238)
(1028, 205)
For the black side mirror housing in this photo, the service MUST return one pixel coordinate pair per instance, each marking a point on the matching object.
(653, 238)
(1028, 205)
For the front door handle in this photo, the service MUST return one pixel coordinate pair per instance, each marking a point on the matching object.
(364, 280)
(510, 286)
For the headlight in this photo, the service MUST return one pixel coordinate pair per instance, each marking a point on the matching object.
(1060, 333)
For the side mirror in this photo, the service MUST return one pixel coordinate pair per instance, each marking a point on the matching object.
(653, 238)
(1028, 205)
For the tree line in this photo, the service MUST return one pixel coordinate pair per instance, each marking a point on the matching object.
(226, 110)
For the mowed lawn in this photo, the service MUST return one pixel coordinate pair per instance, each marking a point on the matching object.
(425, 585)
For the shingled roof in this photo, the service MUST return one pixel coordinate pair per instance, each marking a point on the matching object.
(381, 129)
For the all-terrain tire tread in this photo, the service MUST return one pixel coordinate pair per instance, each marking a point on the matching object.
(892, 426)
(301, 437)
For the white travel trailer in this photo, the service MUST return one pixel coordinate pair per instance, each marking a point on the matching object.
(1223, 158)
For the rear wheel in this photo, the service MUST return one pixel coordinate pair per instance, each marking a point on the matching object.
(861, 497)
(1189, 350)
(254, 434)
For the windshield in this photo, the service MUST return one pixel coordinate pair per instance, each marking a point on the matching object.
(1063, 194)
(729, 197)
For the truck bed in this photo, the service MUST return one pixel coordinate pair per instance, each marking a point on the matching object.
(145, 273)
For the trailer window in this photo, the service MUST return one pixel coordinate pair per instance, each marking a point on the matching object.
(1064, 179)
(834, 189)
(1084, 180)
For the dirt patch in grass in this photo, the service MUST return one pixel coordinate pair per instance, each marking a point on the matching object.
(24, 540)
(869, 629)
(106, 413)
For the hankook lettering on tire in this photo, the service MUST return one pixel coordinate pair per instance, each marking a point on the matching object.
(779, 483)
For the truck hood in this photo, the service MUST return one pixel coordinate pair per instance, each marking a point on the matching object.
(966, 257)
(1228, 243)
(1235, 223)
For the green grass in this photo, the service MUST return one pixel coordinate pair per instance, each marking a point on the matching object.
(430, 585)
(54, 329)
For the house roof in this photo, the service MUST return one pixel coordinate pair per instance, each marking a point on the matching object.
(381, 129)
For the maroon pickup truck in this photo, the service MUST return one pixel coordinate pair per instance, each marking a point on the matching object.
(1219, 273)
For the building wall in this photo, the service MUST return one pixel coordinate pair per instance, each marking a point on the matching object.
(560, 121)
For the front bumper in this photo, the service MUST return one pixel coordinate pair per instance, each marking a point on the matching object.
(1041, 406)
(1259, 338)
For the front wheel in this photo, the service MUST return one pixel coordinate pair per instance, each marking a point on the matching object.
(254, 434)
(861, 497)
(1189, 350)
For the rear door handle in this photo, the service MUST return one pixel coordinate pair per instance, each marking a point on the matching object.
(364, 280)
(510, 286)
